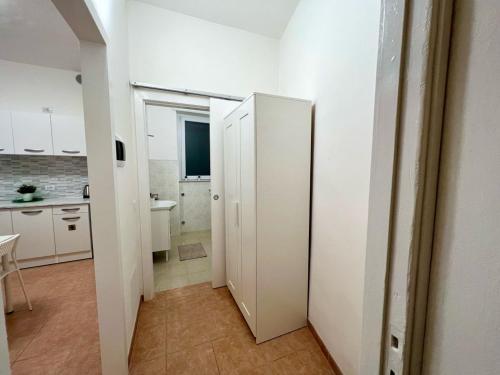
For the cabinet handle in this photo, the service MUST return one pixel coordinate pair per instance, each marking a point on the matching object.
(71, 151)
(237, 207)
(34, 150)
(70, 209)
(71, 218)
(32, 212)
(2, 149)
(151, 135)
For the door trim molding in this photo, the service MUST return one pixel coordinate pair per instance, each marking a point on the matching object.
(410, 93)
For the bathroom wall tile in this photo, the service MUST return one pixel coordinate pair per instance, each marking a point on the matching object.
(195, 206)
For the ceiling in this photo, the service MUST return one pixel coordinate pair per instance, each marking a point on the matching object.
(33, 32)
(266, 17)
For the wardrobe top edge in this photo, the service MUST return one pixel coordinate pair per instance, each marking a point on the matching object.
(268, 95)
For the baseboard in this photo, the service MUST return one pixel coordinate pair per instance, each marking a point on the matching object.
(135, 330)
(325, 351)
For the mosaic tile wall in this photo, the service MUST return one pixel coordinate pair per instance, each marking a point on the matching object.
(67, 175)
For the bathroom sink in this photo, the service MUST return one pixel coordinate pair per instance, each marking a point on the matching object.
(157, 205)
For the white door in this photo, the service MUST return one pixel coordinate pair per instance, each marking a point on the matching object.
(232, 204)
(248, 288)
(463, 323)
(218, 110)
(32, 133)
(6, 138)
(68, 135)
(162, 132)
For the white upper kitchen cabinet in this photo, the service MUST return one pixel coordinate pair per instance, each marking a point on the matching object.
(68, 135)
(6, 139)
(32, 133)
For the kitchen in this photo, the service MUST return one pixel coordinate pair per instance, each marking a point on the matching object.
(45, 198)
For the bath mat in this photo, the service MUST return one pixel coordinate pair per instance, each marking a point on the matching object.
(191, 251)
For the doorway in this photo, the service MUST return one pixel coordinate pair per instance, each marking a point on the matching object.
(170, 170)
(179, 180)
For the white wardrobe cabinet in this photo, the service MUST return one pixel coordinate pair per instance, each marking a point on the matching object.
(6, 138)
(68, 135)
(32, 133)
(267, 156)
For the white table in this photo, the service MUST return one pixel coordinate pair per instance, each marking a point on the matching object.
(6, 266)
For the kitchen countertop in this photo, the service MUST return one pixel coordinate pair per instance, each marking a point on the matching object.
(46, 202)
(162, 205)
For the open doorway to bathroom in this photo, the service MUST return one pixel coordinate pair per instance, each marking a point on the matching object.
(179, 179)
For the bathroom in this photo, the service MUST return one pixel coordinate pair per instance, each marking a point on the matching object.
(179, 179)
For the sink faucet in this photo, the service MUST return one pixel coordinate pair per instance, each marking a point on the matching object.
(153, 196)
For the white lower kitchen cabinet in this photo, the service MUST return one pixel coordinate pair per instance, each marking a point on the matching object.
(72, 233)
(5, 222)
(49, 234)
(37, 233)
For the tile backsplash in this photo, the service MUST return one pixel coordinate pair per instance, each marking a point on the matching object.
(54, 176)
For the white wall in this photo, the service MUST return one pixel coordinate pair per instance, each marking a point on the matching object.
(328, 53)
(175, 50)
(113, 15)
(30, 88)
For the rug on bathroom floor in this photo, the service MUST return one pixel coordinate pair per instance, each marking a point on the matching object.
(191, 251)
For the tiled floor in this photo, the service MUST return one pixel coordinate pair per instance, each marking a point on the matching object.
(60, 335)
(199, 330)
(176, 273)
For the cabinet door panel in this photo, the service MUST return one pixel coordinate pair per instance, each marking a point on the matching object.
(232, 186)
(160, 230)
(5, 222)
(32, 133)
(68, 135)
(37, 232)
(248, 288)
(6, 138)
(72, 233)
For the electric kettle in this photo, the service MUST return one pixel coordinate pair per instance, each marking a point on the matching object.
(86, 191)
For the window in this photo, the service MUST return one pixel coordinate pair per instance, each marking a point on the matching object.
(194, 147)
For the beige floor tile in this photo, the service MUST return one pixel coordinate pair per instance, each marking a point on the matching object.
(303, 362)
(172, 282)
(197, 265)
(199, 360)
(199, 277)
(176, 273)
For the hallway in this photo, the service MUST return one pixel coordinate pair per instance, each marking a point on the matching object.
(199, 330)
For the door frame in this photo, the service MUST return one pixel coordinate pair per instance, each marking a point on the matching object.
(182, 100)
(409, 102)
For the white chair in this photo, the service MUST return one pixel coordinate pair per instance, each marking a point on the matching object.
(8, 247)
